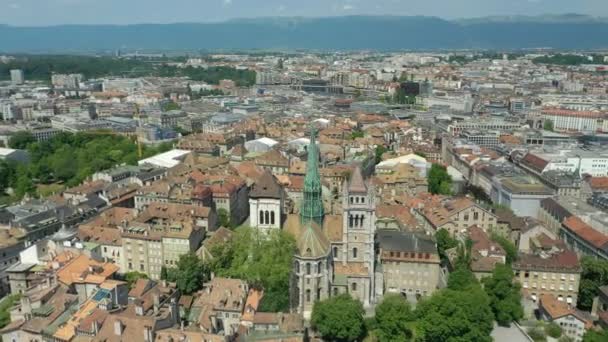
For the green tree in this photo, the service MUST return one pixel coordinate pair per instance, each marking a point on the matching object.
(223, 218)
(537, 334)
(263, 260)
(170, 105)
(504, 294)
(189, 275)
(593, 276)
(444, 242)
(357, 134)
(132, 277)
(462, 279)
(439, 181)
(553, 330)
(392, 317)
(596, 336)
(339, 318)
(5, 309)
(548, 125)
(456, 316)
(507, 245)
(21, 140)
(380, 150)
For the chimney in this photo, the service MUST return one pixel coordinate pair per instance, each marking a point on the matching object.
(118, 328)
(156, 303)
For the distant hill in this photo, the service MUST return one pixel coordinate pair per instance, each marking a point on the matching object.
(346, 33)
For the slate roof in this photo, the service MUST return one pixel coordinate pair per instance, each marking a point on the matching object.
(266, 187)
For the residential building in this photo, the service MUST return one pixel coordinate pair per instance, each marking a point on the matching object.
(454, 215)
(409, 264)
(556, 274)
(574, 323)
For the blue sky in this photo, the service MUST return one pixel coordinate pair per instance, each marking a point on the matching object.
(54, 12)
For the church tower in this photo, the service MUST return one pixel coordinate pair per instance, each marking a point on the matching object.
(358, 229)
(311, 208)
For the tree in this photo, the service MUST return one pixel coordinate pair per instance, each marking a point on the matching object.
(189, 275)
(392, 317)
(223, 218)
(263, 260)
(357, 134)
(504, 294)
(507, 245)
(444, 242)
(132, 277)
(170, 105)
(537, 334)
(462, 279)
(553, 330)
(595, 336)
(455, 316)
(21, 140)
(380, 150)
(593, 276)
(339, 318)
(5, 309)
(439, 181)
(548, 125)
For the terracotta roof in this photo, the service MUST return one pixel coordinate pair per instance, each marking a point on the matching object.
(599, 183)
(557, 309)
(565, 261)
(356, 183)
(83, 269)
(266, 187)
(586, 232)
(534, 162)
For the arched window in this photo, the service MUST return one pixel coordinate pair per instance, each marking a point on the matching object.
(261, 218)
(356, 199)
(351, 200)
(297, 265)
(266, 217)
(335, 252)
(308, 268)
(355, 252)
(353, 286)
(308, 295)
(319, 265)
(362, 199)
(356, 220)
(362, 218)
(350, 220)
(272, 217)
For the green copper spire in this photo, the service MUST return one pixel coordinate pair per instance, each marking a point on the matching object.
(312, 205)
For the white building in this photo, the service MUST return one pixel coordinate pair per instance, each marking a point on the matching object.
(260, 145)
(266, 201)
(17, 76)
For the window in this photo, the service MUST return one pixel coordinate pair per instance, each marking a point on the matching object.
(307, 268)
(362, 199)
(350, 220)
(475, 216)
(357, 200)
(308, 296)
(297, 265)
(335, 291)
(466, 217)
(266, 217)
(353, 286)
(355, 252)
(272, 217)
(319, 267)
(335, 252)
(261, 218)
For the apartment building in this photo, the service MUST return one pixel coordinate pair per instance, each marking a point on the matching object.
(409, 264)
(555, 274)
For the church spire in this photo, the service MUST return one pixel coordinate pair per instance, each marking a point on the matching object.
(312, 205)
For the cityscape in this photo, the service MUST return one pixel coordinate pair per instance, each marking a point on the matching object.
(280, 182)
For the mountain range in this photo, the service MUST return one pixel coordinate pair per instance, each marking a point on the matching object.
(570, 31)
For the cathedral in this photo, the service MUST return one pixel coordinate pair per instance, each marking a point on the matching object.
(334, 253)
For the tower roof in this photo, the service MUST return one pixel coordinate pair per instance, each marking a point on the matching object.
(266, 187)
(311, 241)
(312, 203)
(356, 183)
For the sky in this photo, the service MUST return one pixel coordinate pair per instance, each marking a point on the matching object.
(57, 12)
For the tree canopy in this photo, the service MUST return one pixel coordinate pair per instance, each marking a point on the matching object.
(504, 294)
(439, 181)
(593, 276)
(444, 242)
(455, 316)
(339, 318)
(392, 317)
(548, 125)
(189, 275)
(263, 261)
(20, 140)
(70, 159)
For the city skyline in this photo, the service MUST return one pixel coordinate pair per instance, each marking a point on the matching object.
(60, 12)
